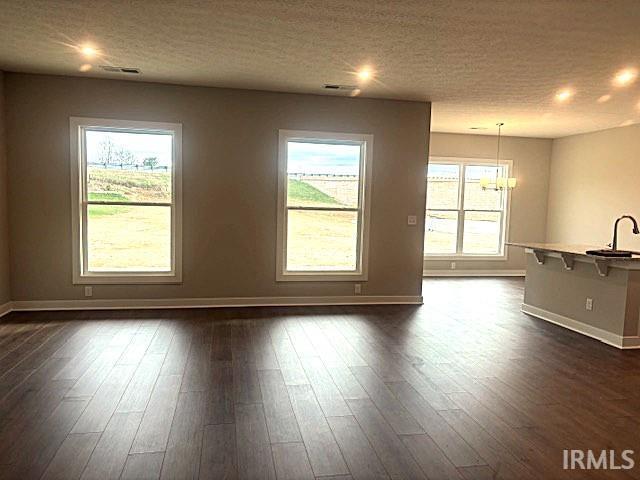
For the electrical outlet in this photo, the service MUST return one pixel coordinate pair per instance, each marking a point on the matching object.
(589, 304)
(88, 291)
(453, 265)
(412, 220)
(357, 289)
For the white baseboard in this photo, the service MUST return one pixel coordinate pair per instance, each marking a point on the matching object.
(5, 308)
(166, 303)
(473, 273)
(618, 341)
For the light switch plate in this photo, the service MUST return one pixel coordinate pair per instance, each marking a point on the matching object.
(88, 291)
(412, 220)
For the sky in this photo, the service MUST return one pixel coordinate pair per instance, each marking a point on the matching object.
(142, 145)
(323, 158)
(316, 158)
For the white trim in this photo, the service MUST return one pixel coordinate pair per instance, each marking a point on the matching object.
(465, 258)
(77, 125)
(505, 224)
(364, 207)
(615, 340)
(164, 303)
(473, 273)
(6, 308)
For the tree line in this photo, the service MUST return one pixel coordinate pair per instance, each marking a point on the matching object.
(112, 155)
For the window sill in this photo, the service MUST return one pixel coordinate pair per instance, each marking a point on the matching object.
(133, 279)
(321, 277)
(480, 258)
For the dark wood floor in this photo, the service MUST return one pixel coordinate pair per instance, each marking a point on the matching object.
(465, 386)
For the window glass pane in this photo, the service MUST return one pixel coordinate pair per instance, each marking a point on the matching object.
(481, 233)
(442, 232)
(323, 174)
(442, 187)
(123, 166)
(322, 240)
(474, 197)
(128, 238)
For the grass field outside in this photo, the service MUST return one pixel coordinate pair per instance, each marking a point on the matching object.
(138, 238)
(303, 194)
(129, 238)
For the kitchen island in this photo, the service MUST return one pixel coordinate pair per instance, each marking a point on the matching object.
(596, 296)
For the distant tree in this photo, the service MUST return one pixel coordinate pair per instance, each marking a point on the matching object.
(150, 162)
(111, 154)
(106, 152)
(124, 157)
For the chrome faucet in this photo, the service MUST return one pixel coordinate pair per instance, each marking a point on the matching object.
(636, 231)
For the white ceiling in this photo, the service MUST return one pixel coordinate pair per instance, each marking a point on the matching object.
(478, 61)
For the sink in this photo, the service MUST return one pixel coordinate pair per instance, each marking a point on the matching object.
(607, 252)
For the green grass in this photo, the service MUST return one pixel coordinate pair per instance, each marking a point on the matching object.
(95, 211)
(107, 196)
(302, 192)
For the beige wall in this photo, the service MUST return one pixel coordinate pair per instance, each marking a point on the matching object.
(554, 289)
(595, 178)
(230, 181)
(531, 157)
(5, 291)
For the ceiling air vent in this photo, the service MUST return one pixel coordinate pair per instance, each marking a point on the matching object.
(334, 86)
(128, 70)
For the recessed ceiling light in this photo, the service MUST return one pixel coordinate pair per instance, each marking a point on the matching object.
(88, 51)
(477, 128)
(365, 74)
(625, 77)
(86, 67)
(604, 98)
(564, 95)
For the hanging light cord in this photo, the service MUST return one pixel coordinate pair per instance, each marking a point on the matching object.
(499, 135)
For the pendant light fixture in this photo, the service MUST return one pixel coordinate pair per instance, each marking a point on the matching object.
(501, 182)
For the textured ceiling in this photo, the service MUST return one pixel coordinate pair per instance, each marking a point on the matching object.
(478, 61)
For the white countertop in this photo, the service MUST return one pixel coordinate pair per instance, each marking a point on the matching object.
(572, 249)
(570, 252)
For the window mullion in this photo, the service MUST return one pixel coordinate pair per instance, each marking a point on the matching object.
(460, 236)
(503, 233)
(128, 204)
(324, 209)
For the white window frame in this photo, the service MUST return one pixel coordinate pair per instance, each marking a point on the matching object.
(504, 227)
(79, 202)
(363, 209)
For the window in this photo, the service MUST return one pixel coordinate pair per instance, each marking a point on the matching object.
(126, 190)
(323, 197)
(462, 220)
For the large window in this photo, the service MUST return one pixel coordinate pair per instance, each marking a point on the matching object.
(126, 191)
(462, 219)
(323, 205)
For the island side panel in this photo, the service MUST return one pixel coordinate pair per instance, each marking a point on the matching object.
(552, 288)
(632, 317)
